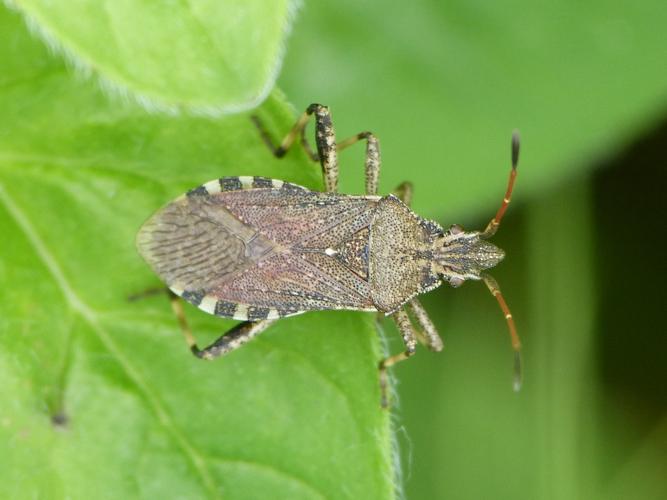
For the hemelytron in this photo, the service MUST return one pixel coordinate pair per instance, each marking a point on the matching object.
(257, 249)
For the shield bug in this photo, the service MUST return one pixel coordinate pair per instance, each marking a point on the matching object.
(258, 249)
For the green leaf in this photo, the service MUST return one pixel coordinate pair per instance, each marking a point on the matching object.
(209, 56)
(100, 397)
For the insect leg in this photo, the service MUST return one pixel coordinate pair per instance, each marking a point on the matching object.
(147, 293)
(430, 338)
(228, 341)
(327, 148)
(232, 339)
(177, 307)
(298, 129)
(405, 327)
(493, 287)
(372, 165)
(325, 138)
(404, 192)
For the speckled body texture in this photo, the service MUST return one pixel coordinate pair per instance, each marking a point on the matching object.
(258, 249)
(254, 248)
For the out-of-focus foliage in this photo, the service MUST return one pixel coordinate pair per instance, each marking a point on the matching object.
(443, 84)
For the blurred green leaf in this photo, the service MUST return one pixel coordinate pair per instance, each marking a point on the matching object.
(209, 56)
(642, 474)
(561, 336)
(471, 435)
(443, 84)
(100, 397)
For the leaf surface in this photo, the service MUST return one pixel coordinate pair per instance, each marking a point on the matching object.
(100, 397)
(208, 56)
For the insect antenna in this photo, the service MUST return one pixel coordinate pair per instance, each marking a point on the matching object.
(493, 287)
(492, 226)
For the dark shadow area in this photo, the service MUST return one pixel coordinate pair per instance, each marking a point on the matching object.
(630, 208)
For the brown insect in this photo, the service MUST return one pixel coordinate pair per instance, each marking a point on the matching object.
(258, 249)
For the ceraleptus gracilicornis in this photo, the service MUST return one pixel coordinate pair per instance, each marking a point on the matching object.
(258, 249)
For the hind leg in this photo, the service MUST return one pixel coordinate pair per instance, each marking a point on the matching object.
(230, 340)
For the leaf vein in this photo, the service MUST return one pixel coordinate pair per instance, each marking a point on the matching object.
(272, 468)
(90, 316)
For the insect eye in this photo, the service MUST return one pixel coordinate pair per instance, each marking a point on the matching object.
(455, 229)
(455, 282)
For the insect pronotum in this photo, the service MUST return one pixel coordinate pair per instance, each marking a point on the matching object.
(258, 249)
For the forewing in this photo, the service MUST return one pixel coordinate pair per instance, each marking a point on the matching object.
(251, 248)
(291, 215)
(286, 283)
